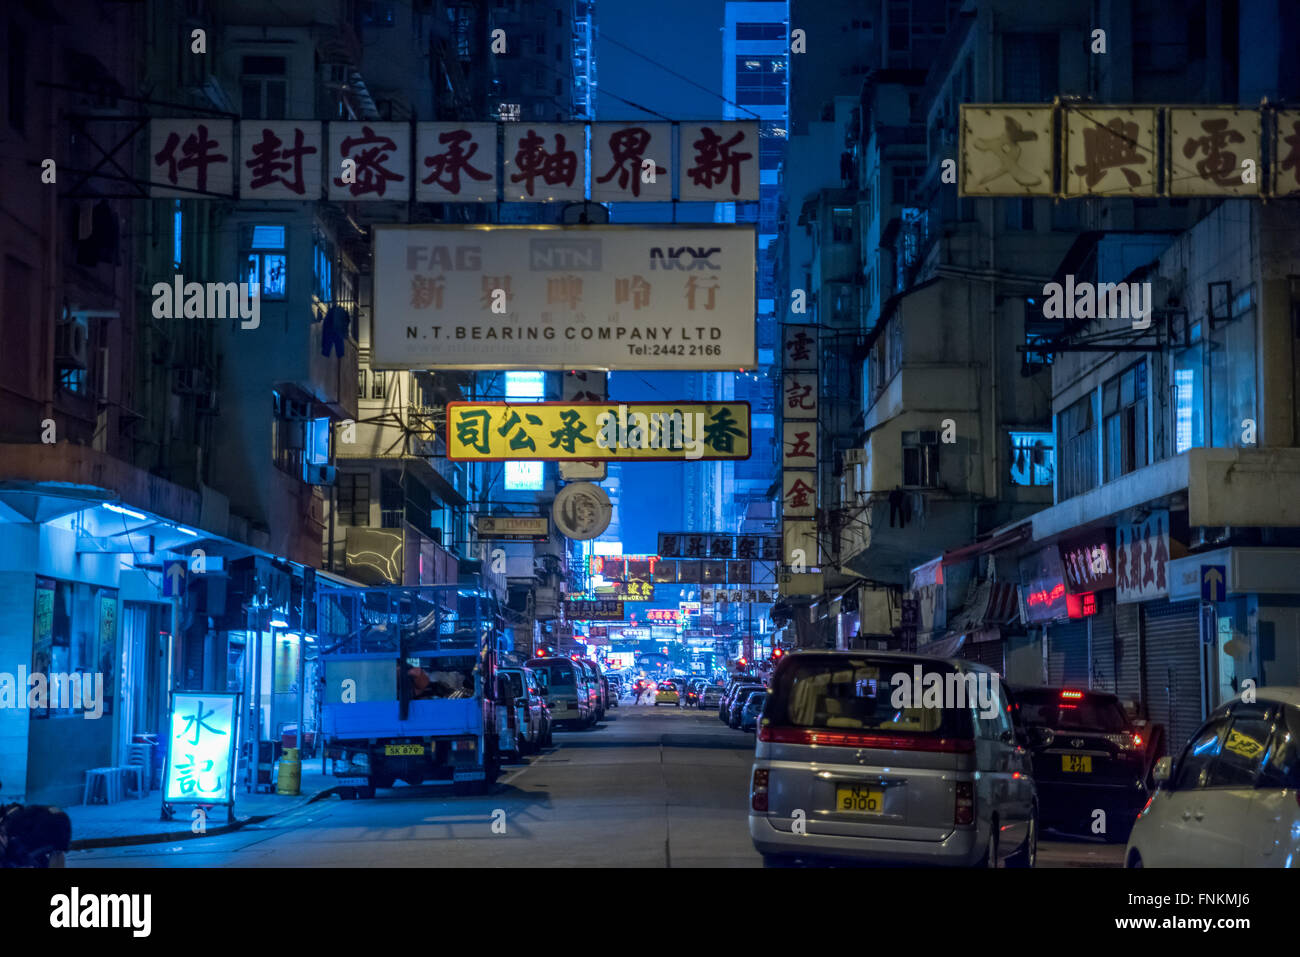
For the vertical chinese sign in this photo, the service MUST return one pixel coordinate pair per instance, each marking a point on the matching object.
(1142, 553)
(201, 740)
(799, 382)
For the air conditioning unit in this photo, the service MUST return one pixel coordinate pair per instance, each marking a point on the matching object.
(854, 457)
(71, 345)
(319, 474)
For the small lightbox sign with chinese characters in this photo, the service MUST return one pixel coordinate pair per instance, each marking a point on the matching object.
(372, 161)
(1128, 150)
(201, 741)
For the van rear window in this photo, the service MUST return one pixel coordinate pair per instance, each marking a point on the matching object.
(855, 694)
(562, 676)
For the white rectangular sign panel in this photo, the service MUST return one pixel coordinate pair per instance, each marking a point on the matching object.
(563, 297)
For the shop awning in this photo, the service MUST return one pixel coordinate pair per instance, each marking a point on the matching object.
(991, 605)
(993, 543)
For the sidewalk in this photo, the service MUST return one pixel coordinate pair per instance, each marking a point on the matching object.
(137, 821)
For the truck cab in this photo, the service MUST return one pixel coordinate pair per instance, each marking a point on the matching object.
(411, 686)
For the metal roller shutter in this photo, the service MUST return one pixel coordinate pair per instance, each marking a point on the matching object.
(1172, 668)
(1067, 653)
(1103, 644)
(1128, 652)
(985, 652)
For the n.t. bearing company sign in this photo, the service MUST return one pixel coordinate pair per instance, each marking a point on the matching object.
(563, 297)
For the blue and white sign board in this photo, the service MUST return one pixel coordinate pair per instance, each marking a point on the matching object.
(201, 748)
(1214, 582)
(174, 572)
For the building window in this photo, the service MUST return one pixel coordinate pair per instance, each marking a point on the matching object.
(266, 261)
(178, 236)
(1029, 70)
(361, 383)
(1033, 459)
(289, 434)
(842, 307)
(353, 492)
(842, 224)
(1076, 437)
(75, 639)
(378, 384)
(1189, 393)
(760, 80)
(921, 459)
(263, 88)
(322, 254)
(760, 31)
(1124, 421)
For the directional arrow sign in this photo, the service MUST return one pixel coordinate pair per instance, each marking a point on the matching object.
(174, 578)
(1214, 582)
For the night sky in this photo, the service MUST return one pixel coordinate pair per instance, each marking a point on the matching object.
(685, 36)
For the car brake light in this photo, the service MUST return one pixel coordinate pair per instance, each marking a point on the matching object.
(1072, 695)
(1137, 740)
(851, 739)
(758, 790)
(964, 812)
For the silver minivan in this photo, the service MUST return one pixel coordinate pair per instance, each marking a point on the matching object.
(860, 757)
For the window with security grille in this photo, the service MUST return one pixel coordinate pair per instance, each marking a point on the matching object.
(1124, 421)
(1076, 433)
(353, 496)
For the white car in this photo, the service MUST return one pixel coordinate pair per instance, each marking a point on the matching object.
(1232, 798)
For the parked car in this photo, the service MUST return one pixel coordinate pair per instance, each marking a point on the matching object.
(733, 683)
(595, 686)
(751, 709)
(1230, 798)
(738, 697)
(611, 692)
(1087, 756)
(565, 690)
(870, 781)
(710, 696)
(529, 726)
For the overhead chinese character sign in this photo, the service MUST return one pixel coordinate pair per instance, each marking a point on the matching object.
(718, 162)
(1110, 152)
(799, 395)
(380, 161)
(1286, 153)
(456, 162)
(279, 159)
(557, 431)
(1207, 148)
(201, 744)
(1006, 150)
(545, 162)
(631, 162)
(563, 297)
(191, 158)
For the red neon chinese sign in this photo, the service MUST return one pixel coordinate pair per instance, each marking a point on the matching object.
(1081, 606)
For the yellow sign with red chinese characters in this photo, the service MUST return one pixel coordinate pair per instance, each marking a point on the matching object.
(561, 431)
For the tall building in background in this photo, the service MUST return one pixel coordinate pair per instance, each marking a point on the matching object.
(754, 70)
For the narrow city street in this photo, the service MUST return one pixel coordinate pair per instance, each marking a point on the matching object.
(649, 787)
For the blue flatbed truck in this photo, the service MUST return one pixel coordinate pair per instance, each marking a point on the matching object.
(409, 676)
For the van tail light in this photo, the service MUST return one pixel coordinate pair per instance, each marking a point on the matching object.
(758, 790)
(855, 739)
(965, 809)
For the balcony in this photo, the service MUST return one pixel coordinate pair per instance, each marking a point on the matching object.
(329, 381)
(397, 556)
